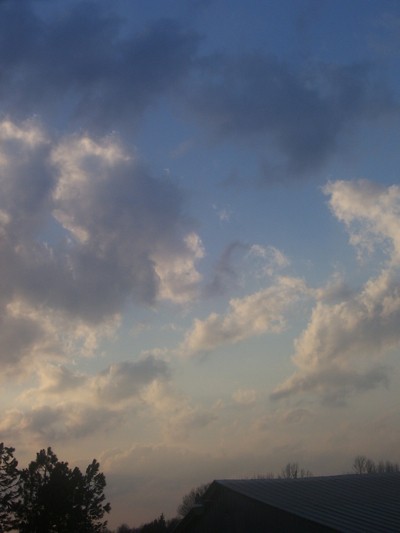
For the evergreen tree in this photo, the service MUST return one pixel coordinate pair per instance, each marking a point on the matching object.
(56, 499)
(9, 487)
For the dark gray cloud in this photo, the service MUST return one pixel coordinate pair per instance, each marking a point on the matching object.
(84, 228)
(61, 380)
(335, 385)
(18, 336)
(224, 271)
(82, 66)
(58, 423)
(302, 112)
(124, 380)
(81, 58)
(71, 405)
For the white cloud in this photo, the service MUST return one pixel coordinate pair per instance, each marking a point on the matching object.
(83, 166)
(258, 313)
(245, 396)
(370, 212)
(270, 259)
(178, 277)
(341, 349)
(336, 290)
(29, 133)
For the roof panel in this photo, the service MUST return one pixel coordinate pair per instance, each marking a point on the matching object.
(348, 502)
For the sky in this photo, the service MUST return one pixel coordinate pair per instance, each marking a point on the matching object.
(199, 238)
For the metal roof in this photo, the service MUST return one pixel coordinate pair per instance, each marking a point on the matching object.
(353, 503)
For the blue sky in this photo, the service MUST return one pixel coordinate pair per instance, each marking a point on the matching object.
(199, 238)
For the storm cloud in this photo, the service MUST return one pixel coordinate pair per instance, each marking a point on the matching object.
(101, 73)
(302, 111)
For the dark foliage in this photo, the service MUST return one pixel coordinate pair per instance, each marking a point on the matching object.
(9, 487)
(156, 526)
(123, 528)
(49, 497)
(159, 525)
(364, 465)
(293, 471)
(190, 499)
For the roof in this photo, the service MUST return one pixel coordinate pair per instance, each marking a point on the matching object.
(352, 502)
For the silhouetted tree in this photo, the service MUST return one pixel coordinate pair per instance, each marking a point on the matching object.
(156, 526)
(387, 467)
(190, 499)
(159, 525)
(9, 487)
(123, 528)
(359, 464)
(364, 465)
(56, 499)
(292, 471)
(172, 523)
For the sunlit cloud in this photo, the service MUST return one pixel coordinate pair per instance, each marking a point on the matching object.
(256, 314)
(68, 404)
(179, 279)
(340, 351)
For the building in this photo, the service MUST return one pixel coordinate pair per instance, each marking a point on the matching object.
(348, 503)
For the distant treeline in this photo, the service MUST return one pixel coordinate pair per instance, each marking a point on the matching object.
(364, 465)
(292, 470)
